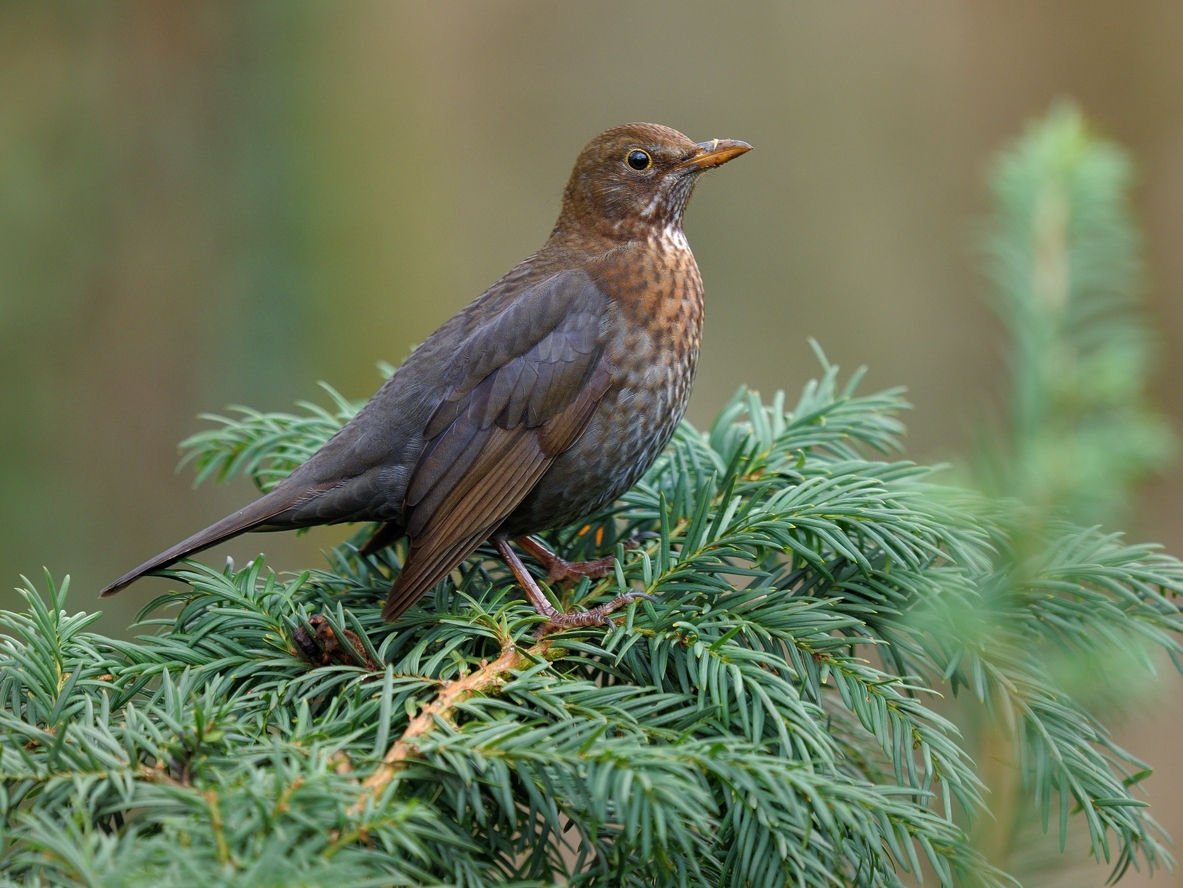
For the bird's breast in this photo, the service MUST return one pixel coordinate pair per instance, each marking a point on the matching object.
(655, 327)
(654, 343)
(650, 339)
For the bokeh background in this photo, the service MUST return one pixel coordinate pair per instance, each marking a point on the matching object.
(204, 204)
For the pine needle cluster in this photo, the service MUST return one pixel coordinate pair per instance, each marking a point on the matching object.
(766, 719)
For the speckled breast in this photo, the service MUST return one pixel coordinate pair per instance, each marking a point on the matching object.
(651, 340)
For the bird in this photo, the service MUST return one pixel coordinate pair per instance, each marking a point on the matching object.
(538, 404)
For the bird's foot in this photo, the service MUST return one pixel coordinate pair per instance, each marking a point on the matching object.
(324, 648)
(556, 619)
(558, 569)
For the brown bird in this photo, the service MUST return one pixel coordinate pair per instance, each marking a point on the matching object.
(538, 404)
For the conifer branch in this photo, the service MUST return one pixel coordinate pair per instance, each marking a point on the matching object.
(487, 677)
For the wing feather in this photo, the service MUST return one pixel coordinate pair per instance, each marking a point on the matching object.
(526, 387)
(511, 465)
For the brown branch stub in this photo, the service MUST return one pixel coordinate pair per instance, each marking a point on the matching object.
(489, 675)
(324, 648)
(215, 820)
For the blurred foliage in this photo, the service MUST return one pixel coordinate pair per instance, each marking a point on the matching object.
(1081, 432)
(1063, 251)
(151, 253)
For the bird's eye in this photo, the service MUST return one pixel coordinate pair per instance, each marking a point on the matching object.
(638, 160)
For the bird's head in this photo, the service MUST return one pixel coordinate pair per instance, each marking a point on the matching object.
(636, 178)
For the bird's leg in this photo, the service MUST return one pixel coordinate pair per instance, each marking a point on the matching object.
(536, 596)
(555, 618)
(557, 569)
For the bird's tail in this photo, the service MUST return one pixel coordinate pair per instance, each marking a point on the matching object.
(261, 511)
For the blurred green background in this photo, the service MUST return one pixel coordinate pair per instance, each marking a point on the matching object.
(205, 203)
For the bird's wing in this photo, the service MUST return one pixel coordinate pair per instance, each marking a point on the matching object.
(525, 386)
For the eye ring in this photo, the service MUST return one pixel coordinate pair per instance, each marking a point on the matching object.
(638, 160)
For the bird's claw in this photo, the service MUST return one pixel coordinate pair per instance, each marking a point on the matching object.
(598, 616)
(559, 569)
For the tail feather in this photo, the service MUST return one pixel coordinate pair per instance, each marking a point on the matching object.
(257, 513)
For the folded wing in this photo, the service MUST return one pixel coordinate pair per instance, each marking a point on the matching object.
(525, 387)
